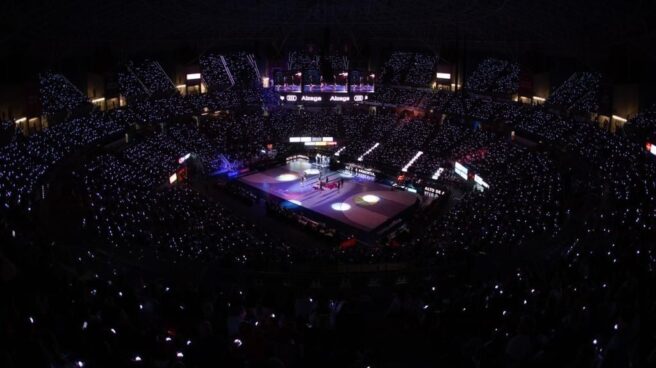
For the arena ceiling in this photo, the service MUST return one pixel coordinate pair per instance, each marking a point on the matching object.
(559, 25)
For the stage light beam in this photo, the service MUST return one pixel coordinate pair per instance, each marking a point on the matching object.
(368, 151)
(412, 161)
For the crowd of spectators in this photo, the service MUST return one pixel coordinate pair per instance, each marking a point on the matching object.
(393, 155)
(394, 68)
(444, 140)
(494, 76)
(409, 68)
(550, 265)
(152, 76)
(58, 94)
(522, 201)
(420, 72)
(580, 93)
(643, 126)
(122, 194)
(215, 72)
(243, 68)
(130, 86)
(396, 96)
(25, 160)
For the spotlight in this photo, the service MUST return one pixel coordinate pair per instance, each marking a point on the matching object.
(287, 177)
(370, 198)
(312, 171)
(340, 206)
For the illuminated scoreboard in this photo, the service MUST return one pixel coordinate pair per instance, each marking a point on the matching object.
(313, 141)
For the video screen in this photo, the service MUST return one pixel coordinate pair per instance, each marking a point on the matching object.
(361, 82)
(288, 81)
(315, 82)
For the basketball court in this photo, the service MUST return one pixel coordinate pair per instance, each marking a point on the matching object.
(354, 200)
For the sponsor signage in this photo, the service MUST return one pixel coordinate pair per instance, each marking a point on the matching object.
(314, 98)
(311, 98)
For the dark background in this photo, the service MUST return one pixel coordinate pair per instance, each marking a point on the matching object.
(72, 37)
